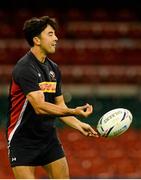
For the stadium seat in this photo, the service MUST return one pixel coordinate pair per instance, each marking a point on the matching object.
(91, 158)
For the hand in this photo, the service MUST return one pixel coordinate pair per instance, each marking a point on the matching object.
(87, 130)
(84, 111)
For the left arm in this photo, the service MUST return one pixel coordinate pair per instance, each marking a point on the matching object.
(73, 122)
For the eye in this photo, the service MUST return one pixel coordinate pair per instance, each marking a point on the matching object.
(50, 33)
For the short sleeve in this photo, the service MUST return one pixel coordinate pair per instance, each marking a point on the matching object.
(59, 84)
(27, 79)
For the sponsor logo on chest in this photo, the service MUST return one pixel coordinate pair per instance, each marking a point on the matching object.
(49, 87)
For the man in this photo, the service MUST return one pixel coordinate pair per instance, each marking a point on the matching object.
(35, 100)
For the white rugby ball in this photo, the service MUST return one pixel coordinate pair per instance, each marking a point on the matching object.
(114, 122)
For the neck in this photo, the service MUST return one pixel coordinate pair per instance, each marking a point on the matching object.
(38, 54)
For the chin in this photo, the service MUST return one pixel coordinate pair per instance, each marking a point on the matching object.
(51, 52)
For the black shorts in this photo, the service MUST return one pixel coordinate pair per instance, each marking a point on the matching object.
(35, 155)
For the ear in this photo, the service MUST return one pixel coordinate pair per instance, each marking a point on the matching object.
(36, 40)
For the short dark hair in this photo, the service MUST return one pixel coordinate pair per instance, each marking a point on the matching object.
(34, 26)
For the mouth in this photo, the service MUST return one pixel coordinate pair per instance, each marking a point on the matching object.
(53, 45)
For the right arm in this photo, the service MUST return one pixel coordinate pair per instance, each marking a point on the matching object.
(27, 78)
(41, 107)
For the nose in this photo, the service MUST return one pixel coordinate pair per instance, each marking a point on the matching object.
(56, 38)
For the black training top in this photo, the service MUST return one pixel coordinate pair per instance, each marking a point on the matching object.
(31, 75)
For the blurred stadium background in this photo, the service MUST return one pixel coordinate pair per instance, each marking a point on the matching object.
(99, 54)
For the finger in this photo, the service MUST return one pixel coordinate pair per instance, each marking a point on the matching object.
(93, 135)
(88, 133)
(92, 131)
(88, 111)
(90, 108)
(85, 107)
(85, 133)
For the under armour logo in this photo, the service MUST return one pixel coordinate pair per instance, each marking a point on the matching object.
(39, 74)
(13, 158)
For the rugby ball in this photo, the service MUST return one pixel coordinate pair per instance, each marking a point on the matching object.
(114, 122)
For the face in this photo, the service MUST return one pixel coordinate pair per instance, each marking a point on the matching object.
(48, 40)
